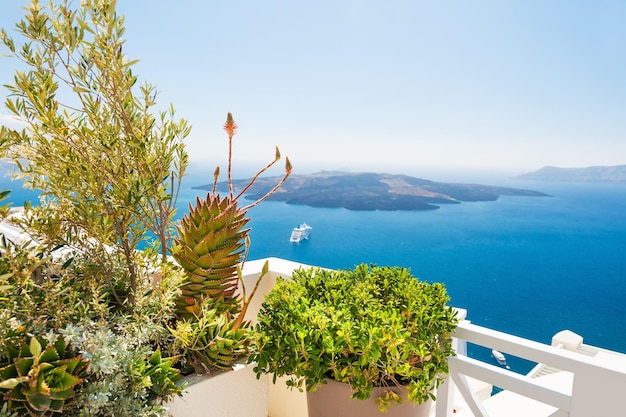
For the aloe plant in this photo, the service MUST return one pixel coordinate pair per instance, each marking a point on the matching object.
(211, 246)
(40, 381)
(212, 242)
(160, 371)
(211, 239)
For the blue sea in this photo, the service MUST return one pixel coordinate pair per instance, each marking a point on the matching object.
(529, 266)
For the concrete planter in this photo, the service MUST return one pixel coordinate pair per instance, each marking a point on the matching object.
(232, 393)
(237, 393)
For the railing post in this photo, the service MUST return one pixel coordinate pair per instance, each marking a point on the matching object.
(444, 406)
(599, 390)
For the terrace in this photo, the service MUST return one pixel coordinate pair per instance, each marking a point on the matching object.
(570, 379)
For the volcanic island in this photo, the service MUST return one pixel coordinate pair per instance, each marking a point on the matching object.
(371, 191)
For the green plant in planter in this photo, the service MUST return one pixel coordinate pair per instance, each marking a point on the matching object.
(108, 164)
(211, 246)
(109, 167)
(369, 327)
(210, 240)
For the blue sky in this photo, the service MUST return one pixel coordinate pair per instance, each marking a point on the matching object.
(398, 86)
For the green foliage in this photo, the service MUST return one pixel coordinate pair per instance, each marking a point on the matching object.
(122, 350)
(158, 374)
(108, 167)
(126, 375)
(40, 377)
(210, 340)
(369, 327)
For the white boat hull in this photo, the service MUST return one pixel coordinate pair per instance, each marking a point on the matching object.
(499, 357)
(300, 233)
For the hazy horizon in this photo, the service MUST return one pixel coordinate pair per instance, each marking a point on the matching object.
(506, 87)
(198, 171)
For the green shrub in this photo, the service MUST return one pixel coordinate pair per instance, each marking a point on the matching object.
(108, 167)
(369, 327)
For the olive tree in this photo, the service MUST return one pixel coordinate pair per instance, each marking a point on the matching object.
(108, 163)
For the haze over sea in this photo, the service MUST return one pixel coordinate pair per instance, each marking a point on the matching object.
(529, 266)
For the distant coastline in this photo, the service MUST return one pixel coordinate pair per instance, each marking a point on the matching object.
(615, 174)
(372, 191)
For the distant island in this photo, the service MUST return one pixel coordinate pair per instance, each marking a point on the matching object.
(370, 191)
(616, 173)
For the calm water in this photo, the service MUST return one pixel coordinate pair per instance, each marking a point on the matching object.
(529, 266)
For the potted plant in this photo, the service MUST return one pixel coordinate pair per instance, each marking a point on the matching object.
(379, 331)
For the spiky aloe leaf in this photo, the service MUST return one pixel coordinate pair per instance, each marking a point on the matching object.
(74, 365)
(16, 394)
(49, 354)
(212, 341)
(56, 405)
(226, 346)
(8, 372)
(24, 351)
(162, 374)
(201, 248)
(60, 380)
(61, 394)
(24, 365)
(37, 400)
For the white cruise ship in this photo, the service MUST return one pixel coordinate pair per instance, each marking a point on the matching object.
(300, 233)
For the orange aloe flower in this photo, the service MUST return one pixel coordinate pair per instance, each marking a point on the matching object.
(230, 126)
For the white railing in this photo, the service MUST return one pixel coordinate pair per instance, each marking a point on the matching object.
(595, 387)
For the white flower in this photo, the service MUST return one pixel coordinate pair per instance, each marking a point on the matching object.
(51, 337)
(14, 323)
(72, 335)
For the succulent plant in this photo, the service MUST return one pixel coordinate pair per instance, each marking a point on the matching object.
(40, 381)
(211, 340)
(160, 372)
(209, 246)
